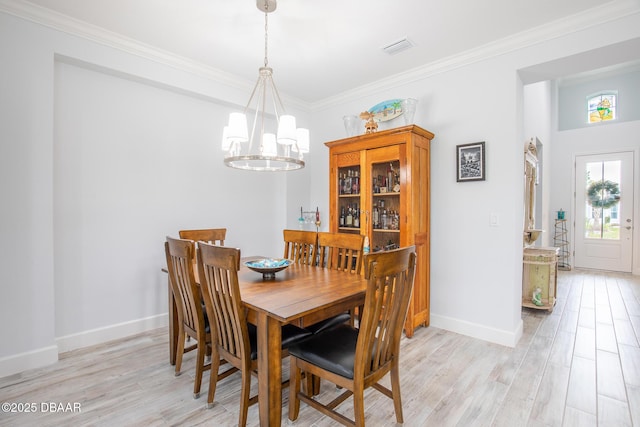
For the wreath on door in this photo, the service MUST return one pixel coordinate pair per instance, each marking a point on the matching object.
(603, 194)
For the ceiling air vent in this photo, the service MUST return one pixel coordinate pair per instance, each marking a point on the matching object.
(398, 46)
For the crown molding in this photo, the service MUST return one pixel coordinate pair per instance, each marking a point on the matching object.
(57, 21)
(595, 16)
(549, 31)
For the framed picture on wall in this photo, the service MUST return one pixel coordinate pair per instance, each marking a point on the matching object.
(470, 162)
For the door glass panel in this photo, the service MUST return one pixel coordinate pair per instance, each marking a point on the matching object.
(603, 201)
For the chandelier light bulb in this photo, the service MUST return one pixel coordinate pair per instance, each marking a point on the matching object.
(269, 146)
(287, 130)
(238, 128)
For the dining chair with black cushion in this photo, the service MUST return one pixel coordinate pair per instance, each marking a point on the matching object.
(234, 340)
(214, 236)
(338, 251)
(192, 319)
(356, 359)
(300, 246)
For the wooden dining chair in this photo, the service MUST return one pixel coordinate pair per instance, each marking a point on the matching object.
(356, 359)
(338, 251)
(341, 251)
(192, 320)
(234, 340)
(215, 236)
(300, 246)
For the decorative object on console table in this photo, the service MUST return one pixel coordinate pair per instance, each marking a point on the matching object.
(392, 204)
(540, 271)
(561, 241)
(470, 162)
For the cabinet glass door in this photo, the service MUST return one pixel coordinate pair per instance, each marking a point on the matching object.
(385, 203)
(349, 205)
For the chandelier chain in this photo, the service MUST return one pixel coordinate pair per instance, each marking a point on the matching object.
(266, 32)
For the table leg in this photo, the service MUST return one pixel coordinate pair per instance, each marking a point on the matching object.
(173, 323)
(269, 370)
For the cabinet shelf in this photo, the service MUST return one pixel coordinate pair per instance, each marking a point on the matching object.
(389, 159)
(388, 193)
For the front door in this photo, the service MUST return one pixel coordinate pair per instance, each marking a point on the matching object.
(604, 211)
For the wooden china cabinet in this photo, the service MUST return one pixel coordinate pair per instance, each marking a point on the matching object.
(380, 188)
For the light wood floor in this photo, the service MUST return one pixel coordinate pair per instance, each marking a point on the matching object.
(578, 366)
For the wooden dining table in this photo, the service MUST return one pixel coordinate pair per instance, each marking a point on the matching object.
(299, 295)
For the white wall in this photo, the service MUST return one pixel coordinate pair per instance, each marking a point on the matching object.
(132, 164)
(94, 144)
(26, 223)
(103, 154)
(467, 274)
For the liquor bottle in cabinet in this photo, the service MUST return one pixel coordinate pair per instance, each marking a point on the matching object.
(390, 200)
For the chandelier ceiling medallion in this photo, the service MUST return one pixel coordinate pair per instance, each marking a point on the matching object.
(261, 150)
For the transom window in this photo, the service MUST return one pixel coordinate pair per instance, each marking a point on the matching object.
(601, 107)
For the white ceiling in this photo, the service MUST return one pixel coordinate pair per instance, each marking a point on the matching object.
(320, 48)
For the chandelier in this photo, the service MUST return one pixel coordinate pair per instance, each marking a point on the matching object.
(260, 150)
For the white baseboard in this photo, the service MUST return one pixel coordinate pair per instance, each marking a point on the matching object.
(47, 355)
(111, 332)
(474, 330)
(29, 360)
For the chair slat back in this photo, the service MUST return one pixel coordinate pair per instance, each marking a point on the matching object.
(180, 255)
(341, 251)
(391, 276)
(218, 271)
(300, 246)
(215, 236)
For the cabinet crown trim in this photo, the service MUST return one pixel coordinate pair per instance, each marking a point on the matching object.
(416, 130)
